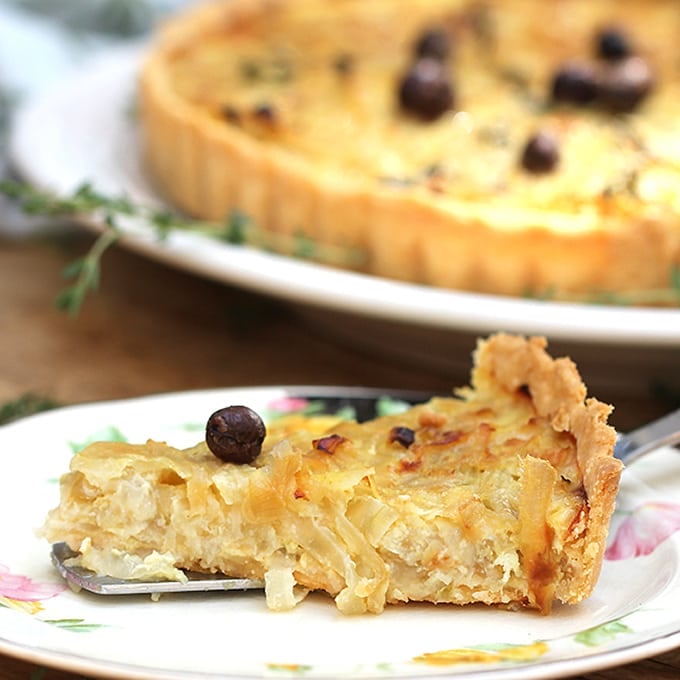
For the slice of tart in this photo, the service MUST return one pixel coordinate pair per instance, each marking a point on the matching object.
(499, 495)
(504, 146)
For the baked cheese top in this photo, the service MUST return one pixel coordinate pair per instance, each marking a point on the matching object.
(320, 81)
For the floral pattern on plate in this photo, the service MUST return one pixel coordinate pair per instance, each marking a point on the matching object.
(23, 593)
(645, 528)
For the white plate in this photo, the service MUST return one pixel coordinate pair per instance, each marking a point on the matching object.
(634, 612)
(84, 130)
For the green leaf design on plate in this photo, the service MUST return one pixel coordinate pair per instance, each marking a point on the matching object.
(593, 637)
(193, 427)
(346, 413)
(107, 434)
(75, 625)
(388, 406)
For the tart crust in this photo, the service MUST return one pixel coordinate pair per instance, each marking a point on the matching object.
(606, 221)
(504, 496)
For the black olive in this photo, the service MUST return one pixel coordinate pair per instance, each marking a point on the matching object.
(402, 435)
(541, 153)
(231, 114)
(250, 70)
(612, 44)
(344, 64)
(265, 113)
(425, 90)
(574, 83)
(235, 434)
(434, 43)
(624, 84)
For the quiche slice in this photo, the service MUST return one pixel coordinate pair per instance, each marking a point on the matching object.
(499, 495)
(502, 146)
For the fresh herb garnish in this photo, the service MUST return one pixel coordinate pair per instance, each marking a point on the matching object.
(84, 273)
(238, 229)
(669, 297)
(25, 405)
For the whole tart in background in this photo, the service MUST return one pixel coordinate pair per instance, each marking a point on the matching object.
(521, 147)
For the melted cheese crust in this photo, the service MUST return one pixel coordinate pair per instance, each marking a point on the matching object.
(503, 497)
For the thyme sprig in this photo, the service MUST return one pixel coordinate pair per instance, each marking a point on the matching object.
(85, 272)
(25, 405)
(648, 297)
(238, 229)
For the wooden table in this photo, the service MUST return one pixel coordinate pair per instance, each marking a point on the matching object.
(153, 329)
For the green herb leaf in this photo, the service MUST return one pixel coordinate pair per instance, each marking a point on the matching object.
(85, 273)
(25, 405)
(237, 228)
(675, 279)
(75, 625)
(602, 634)
(109, 433)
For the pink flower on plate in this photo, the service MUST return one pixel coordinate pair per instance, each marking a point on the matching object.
(21, 592)
(288, 404)
(644, 529)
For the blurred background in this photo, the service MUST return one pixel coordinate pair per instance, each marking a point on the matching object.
(150, 328)
(44, 41)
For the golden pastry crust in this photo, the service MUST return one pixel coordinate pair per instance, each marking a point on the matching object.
(559, 394)
(442, 202)
(502, 495)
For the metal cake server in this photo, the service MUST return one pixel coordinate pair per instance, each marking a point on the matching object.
(664, 431)
(79, 578)
(629, 447)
